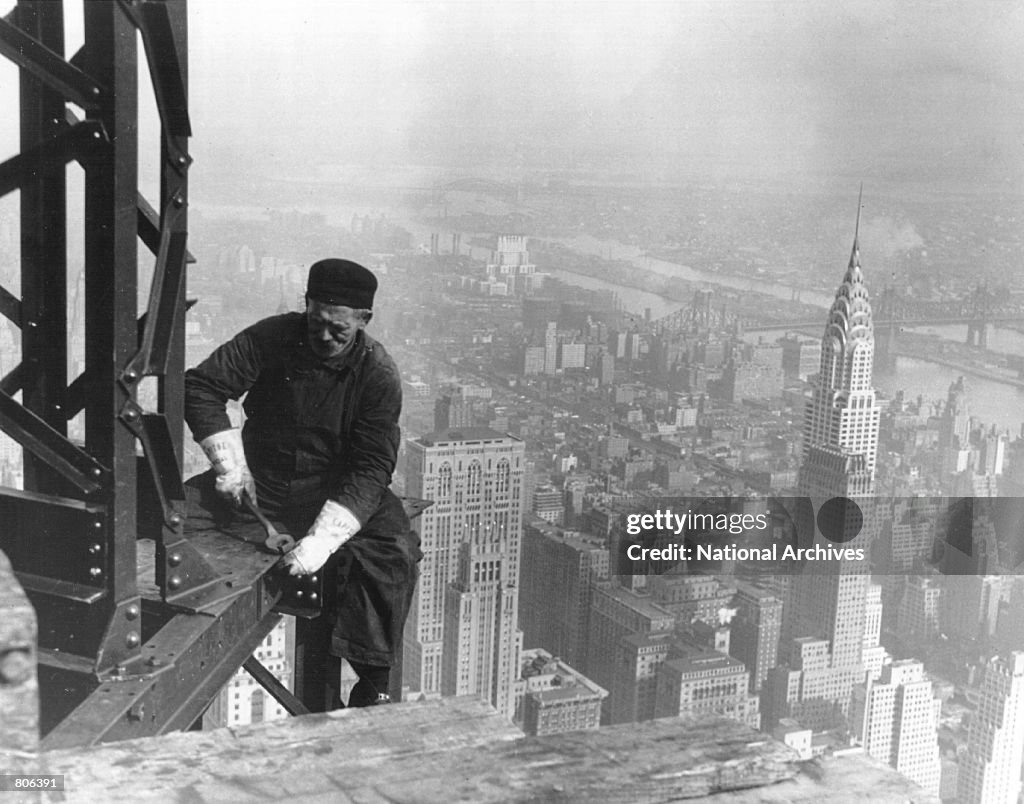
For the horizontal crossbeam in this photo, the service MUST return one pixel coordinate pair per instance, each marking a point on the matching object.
(74, 143)
(49, 67)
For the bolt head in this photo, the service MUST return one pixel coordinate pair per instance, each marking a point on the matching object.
(16, 666)
(313, 597)
(300, 594)
(174, 559)
(132, 612)
(95, 572)
(132, 640)
(174, 582)
(95, 549)
(175, 519)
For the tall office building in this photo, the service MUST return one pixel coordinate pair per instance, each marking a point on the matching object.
(551, 348)
(623, 667)
(896, 719)
(475, 478)
(829, 599)
(756, 629)
(990, 769)
(482, 640)
(558, 570)
(510, 262)
(636, 660)
(842, 418)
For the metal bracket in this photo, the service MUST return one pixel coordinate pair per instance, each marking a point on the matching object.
(185, 579)
(149, 228)
(168, 279)
(123, 637)
(183, 575)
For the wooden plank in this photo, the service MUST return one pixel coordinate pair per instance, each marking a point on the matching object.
(460, 749)
(451, 749)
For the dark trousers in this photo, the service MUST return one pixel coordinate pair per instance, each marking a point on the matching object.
(368, 589)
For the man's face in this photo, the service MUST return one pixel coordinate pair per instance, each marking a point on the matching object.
(332, 328)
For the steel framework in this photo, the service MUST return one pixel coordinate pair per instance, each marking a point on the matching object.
(140, 622)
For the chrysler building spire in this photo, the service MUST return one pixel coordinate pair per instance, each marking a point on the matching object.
(848, 345)
(842, 417)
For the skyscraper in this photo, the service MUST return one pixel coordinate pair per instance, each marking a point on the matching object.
(482, 640)
(475, 478)
(990, 768)
(558, 570)
(755, 631)
(896, 720)
(510, 262)
(842, 418)
(829, 599)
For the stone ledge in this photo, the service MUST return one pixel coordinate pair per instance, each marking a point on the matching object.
(457, 749)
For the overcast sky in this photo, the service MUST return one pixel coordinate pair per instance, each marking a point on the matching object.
(776, 87)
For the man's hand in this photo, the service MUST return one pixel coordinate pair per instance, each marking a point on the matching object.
(227, 455)
(334, 526)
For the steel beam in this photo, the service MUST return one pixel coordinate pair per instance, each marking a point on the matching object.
(49, 445)
(40, 30)
(111, 280)
(185, 660)
(269, 682)
(37, 51)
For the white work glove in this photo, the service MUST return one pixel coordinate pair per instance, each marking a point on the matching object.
(334, 526)
(226, 453)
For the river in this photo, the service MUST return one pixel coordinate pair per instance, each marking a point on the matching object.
(990, 401)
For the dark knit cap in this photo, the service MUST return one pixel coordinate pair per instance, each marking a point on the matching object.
(341, 282)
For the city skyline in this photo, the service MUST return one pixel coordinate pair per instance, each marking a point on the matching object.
(610, 242)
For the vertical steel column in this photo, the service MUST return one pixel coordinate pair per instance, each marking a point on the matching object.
(43, 246)
(111, 278)
(174, 194)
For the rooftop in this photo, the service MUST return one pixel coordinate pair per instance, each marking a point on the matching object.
(439, 437)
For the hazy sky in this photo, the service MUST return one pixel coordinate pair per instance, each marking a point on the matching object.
(876, 88)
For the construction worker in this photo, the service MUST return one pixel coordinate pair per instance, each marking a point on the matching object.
(317, 450)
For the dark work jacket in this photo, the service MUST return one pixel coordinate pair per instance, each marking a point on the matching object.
(314, 429)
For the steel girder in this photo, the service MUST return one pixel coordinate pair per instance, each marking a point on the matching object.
(115, 663)
(72, 533)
